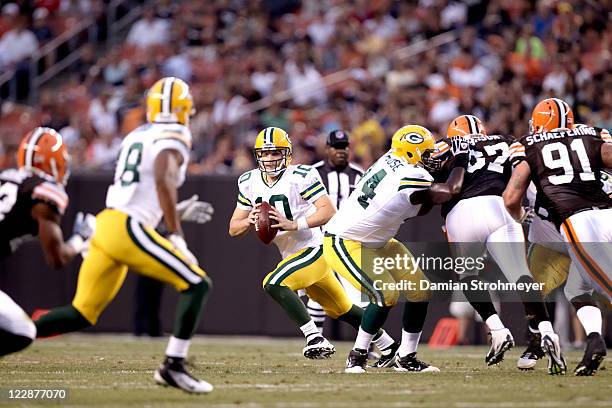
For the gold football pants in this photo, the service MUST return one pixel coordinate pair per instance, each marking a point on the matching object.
(121, 243)
(307, 269)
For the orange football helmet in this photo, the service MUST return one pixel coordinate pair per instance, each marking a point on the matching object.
(550, 114)
(44, 149)
(465, 125)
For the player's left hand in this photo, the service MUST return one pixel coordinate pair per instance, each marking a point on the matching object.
(282, 222)
(459, 145)
(192, 210)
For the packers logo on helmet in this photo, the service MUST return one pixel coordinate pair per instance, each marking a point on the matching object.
(272, 151)
(551, 114)
(465, 125)
(169, 101)
(416, 145)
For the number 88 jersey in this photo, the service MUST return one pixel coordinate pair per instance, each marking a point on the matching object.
(133, 190)
(293, 195)
(566, 169)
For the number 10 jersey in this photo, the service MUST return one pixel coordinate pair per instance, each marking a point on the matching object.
(380, 203)
(566, 169)
(133, 191)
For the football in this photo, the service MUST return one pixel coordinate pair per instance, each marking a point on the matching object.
(263, 226)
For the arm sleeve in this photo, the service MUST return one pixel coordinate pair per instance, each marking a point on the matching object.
(244, 200)
(53, 194)
(417, 180)
(517, 153)
(312, 187)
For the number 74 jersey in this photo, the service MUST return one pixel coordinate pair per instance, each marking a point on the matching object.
(381, 202)
(133, 191)
(566, 169)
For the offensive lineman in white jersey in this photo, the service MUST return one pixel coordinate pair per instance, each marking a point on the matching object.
(300, 205)
(150, 169)
(395, 188)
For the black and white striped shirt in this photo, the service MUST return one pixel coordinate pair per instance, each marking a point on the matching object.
(339, 184)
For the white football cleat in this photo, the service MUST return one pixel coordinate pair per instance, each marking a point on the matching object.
(318, 348)
(356, 362)
(172, 373)
(501, 341)
(552, 349)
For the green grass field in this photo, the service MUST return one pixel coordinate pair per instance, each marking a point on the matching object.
(106, 370)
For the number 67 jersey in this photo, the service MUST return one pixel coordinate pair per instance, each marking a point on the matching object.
(133, 191)
(566, 170)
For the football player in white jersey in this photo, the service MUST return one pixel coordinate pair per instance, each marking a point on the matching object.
(150, 169)
(395, 188)
(300, 205)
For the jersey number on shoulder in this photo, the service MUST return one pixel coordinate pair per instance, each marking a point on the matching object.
(302, 170)
(369, 186)
(8, 198)
(279, 198)
(562, 161)
(497, 155)
(129, 172)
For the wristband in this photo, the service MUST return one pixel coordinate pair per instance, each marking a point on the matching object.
(302, 224)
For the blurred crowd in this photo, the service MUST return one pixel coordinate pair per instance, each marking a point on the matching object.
(310, 67)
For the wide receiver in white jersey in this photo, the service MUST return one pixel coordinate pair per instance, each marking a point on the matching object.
(395, 188)
(300, 205)
(151, 167)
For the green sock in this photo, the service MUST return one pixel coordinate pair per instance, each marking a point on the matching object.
(189, 309)
(290, 301)
(353, 316)
(374, 317)
(60, 320)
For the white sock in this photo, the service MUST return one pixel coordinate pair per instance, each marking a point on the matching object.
(363, 339)
(590, 317)
(410, 342)
(383, 341)
(177, 347)
(545, 327)
(494, 322)
(310, 329)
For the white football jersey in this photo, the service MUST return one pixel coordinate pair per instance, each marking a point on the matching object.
(380, 203)
(133, 191)
(293, 195)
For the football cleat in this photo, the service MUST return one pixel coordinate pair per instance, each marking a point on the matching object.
(552, 350)
(410, 363)
(356, 362)
(532, 353)
(318, 348)
(501, 341)
(594, 354)
(173, 373)
(387, 357)
(373, 354)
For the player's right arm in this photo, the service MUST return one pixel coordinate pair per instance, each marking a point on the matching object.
(57, 252)
(243, 220)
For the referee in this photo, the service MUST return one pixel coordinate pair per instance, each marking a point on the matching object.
(337, 173)
(340, 177)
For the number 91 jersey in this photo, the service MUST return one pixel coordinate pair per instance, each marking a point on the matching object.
(133, 191)
(566, 169)
(293, 195)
